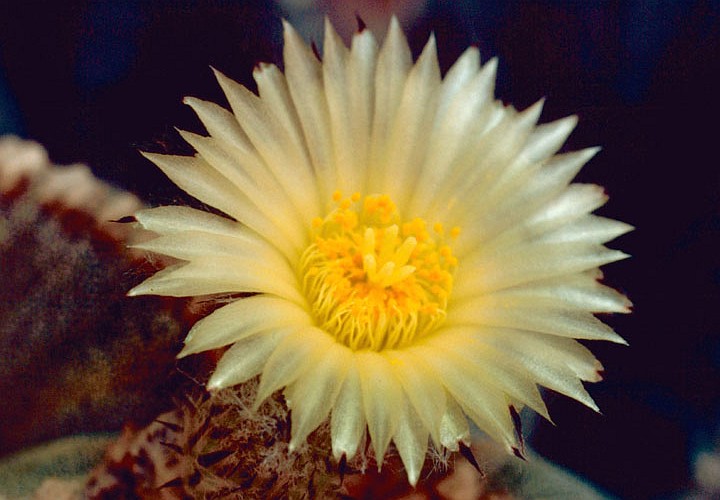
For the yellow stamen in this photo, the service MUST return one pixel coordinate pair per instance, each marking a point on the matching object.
(371, 284)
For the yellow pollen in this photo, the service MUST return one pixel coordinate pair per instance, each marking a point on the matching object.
(373, 281)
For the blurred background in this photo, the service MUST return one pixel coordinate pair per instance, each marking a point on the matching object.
(95, 81)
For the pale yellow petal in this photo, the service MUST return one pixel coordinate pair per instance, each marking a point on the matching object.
(222, 125)
(458, 76)
(490, 271)
(393, 65)
(188, 245)
(275, 95)
(382, 399)
(340, 107)
(590, 228)
(347, 423)
(174, 219)
(411, 126)
(505, 171)
(425, 393)
(573, 202)
(488, 160)
(200, 180)
(486, 406)
(547, 138)
(554, 362)
(575, 356)
(243, 318)
(450, 156)
(411, 441)
(295, 355)
(311, 398)
(454, 427)
(482, 365)
(361, 91)
(262, 191)
(581, 291)
(212, 275)
(515, 312)
(278, 146)
(305, 81)
(527, 211)
(245, 359)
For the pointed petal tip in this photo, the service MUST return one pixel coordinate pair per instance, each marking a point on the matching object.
(536, 108)
(592, 151)
(223, 80)
(492, 63)
(186, 136)
(394, 29)
(431, 43)
(590, 403)
(290, 35)
(429, 53)
(412, 476)
(572, 121)
(148, 155)
(621, 341)
(140, 289)
(190, 101)
(217, 72)
(628, 227)
(214, 384)
(489, 74)
(185, 351)
(622, 255)
(292, 446)
(214, 70)
(328, 26)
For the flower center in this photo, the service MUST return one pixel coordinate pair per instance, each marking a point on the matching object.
(373, 281)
